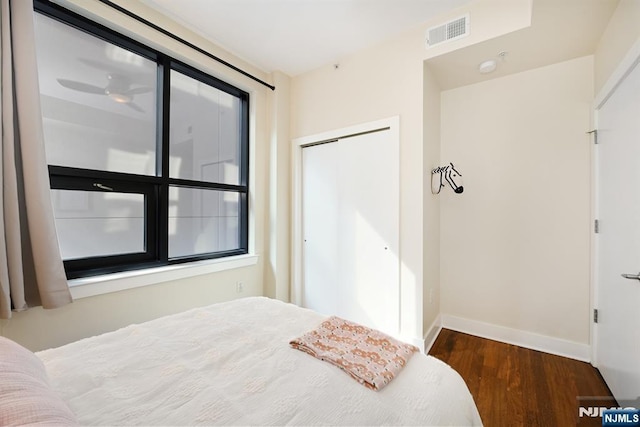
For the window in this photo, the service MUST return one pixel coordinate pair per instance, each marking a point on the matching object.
(148, 156)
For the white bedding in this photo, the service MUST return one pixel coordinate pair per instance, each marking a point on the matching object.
(231, 364)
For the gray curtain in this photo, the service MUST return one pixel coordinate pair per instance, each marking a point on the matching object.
(31, 269)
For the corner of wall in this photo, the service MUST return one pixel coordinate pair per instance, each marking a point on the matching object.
(487, 19)
(431, 203)
(432, 332)
(619, 36)
(278, 268)
(521, 338)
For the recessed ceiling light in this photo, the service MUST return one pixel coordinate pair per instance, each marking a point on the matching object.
(487, 66)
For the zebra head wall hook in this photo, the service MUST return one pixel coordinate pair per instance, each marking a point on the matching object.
(447, 174)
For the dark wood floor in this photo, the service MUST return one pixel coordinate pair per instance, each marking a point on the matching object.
(515, 386)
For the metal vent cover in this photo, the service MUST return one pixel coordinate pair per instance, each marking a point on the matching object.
(452, 30)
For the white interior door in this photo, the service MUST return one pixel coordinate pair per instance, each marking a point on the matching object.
(350, 221)
(618, 299)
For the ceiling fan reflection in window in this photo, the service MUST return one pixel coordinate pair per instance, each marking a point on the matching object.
(119, 87)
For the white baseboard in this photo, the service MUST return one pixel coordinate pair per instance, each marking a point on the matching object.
(432, 333)
(547, 344)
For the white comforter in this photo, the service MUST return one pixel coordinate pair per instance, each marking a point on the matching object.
(231, 363)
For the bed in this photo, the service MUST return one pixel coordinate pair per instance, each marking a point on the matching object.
(231, 364)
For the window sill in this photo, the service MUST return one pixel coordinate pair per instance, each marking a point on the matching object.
(98, 285)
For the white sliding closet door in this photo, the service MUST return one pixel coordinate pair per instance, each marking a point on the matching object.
(320, 225)
(350, 217)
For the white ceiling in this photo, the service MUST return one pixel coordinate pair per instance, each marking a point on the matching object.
(295, 36)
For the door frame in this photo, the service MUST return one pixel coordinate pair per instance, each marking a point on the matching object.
(626, 65)
(390, 123)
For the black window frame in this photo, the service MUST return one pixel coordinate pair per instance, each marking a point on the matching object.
(155, 188)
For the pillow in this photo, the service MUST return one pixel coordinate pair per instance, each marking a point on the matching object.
(25, 394)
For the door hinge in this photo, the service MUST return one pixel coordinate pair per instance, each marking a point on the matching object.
(595, 135)
(596, 226)
(595, 315)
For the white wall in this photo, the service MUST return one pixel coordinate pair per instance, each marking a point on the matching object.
(515, 245)
(38, 329)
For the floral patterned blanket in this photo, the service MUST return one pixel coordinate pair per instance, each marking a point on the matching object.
(368, 355)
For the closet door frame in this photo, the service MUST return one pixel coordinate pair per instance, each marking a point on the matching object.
(392, 124)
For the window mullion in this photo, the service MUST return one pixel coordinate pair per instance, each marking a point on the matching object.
(164, 102)
(71, 172)
(205, 184)
(244, 162)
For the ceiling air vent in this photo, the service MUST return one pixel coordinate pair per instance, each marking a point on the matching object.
(452, 30)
